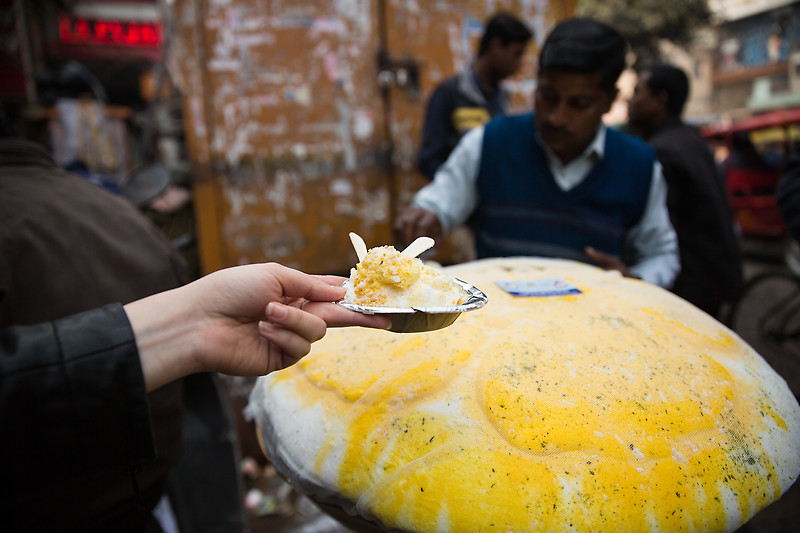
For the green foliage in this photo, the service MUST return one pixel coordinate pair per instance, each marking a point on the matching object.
(644, 22)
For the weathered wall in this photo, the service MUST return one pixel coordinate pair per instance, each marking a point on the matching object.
(294, 142)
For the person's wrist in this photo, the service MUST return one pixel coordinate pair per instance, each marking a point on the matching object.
(163, 331)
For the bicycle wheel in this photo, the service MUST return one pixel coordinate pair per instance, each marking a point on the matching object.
(768, 310)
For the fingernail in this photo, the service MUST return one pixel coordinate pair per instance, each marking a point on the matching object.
(276, 310)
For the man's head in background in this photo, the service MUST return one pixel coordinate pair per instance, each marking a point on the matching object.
(579, 65)
(661, 92)
(503, 44)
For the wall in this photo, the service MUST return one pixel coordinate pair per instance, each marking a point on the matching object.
(294, 140)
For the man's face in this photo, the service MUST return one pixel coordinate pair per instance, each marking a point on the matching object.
(643, 105)
(569, 107)
(507, 59)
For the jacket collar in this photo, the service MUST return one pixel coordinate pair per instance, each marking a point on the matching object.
(596, 148)
(468, 86)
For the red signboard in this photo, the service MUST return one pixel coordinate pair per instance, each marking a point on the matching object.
(128, 34)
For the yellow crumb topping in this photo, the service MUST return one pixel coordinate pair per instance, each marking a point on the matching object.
(387, 278)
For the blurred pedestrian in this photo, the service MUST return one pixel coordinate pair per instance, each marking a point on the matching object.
(711, 260)
(557, 182)
(475, 95)
(69, 245)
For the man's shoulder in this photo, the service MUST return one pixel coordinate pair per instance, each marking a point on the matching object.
(508, 134)
(673, 131)
(502, 122)
(50, 194)
(619, 135)
(526, 117)
(627, 140)
(448, 85)
(679, 140)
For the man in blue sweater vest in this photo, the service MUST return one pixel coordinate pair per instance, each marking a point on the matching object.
(557, 182)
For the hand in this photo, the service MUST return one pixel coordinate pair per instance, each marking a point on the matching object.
(416, 222)
(247, 320)
(608, 261)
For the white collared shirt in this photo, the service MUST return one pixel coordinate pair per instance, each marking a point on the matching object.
(572, 174)
(453, 196)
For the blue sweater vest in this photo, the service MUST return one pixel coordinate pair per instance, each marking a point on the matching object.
(522, 211)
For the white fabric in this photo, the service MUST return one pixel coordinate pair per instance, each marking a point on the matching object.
(165, 516)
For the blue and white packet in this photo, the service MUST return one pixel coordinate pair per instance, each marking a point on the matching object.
(539, 287)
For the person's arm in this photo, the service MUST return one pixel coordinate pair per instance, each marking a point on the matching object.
(452, 195)
(654, 238)
(248, 321)
(449, 200)
(72, 395)
(73, 391)
(436, 133)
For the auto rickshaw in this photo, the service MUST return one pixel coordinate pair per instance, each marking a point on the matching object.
(751, 174)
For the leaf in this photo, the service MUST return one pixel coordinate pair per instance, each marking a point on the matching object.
(644, 23)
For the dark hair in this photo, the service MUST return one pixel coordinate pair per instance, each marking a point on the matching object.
(671, 80)
(585, 46)
(507, 27)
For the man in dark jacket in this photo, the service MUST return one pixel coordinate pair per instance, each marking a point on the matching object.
(473, 96)
(68, 246)
(711, 263)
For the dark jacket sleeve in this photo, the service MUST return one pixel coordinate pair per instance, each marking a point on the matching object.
(72, 397)
(788, 196)
(437, 132)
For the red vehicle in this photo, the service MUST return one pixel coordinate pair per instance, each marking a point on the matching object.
(751, 184)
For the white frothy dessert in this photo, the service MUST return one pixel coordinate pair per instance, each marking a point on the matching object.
(387, 278)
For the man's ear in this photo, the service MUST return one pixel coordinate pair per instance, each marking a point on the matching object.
(663, 98)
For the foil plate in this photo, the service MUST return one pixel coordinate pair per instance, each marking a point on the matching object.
(419, 319)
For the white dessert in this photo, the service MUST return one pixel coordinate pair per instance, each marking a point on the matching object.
(387, 278)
